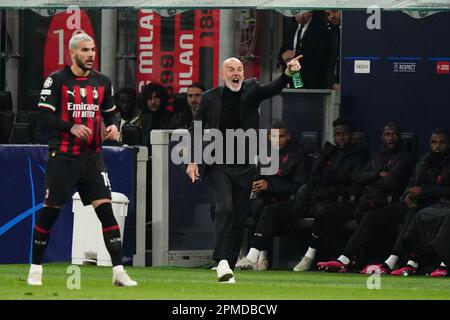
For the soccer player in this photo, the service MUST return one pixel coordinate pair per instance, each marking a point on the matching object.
(72, 104)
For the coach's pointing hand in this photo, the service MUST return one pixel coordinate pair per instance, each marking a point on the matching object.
(294, 65)
(192, 172)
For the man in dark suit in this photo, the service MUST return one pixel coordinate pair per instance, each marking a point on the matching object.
(233, 106)
(184, 119)
(334, 26)
(307, 35)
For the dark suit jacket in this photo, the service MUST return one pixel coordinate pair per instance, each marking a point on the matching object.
(316, 51)
(335, 59)
(398, 163)
(432, 174)
(252, 95)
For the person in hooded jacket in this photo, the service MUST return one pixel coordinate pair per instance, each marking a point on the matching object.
(330, 183)
(281, 186)
(154, 105)
(384, 178)
(428, 185)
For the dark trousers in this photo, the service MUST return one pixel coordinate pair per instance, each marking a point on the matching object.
(402, 245)
(273, 216)
(231, 186)
(257, 207)
(373, 222)
(423, 228)
(327, 217)
(441, 242)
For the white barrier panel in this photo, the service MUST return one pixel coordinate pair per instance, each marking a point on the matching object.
(88, 245)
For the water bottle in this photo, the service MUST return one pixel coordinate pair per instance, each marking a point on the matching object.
(297, 80)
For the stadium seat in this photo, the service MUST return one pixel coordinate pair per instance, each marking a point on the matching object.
(410, 141)
(361, 139)
(30, 117)
(179, 102)
(131, 136)
(27, 117)
(6, 124)
(21, 134)
(5, 101)
(310, 143)
(32, 99)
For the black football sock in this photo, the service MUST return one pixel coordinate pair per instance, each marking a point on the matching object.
(111, 232)
(41, 234)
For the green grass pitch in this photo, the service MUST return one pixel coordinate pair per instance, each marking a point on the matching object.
(173, 283)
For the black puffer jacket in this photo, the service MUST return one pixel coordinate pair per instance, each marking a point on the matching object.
(432, 174)
(290, 175)
(182, 120)
(331, 176)
(399, 164)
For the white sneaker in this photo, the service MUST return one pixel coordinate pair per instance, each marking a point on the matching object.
(262, 265)
(224, 272)
(304, 265)
(240, 262)
(121, 278)
(231, 280)
(35, 275)
(246, 264)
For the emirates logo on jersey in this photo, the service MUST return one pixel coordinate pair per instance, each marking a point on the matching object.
(83, 110)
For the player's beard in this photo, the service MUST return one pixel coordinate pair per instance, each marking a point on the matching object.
(82, 65)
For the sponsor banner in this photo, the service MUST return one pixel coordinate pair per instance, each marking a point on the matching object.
(178, 50)
(46, 35)
(22, 186)
(362, 66)
(248, 42)
(420, 14)
(404, 67)
(443, 67)
(62, 27)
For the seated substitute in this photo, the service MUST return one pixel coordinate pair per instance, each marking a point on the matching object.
(384, 179)
(290, 176)
(330, 186)
(427, 186)
(421, 236)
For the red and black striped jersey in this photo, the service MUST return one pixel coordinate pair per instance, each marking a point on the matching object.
(77, 100)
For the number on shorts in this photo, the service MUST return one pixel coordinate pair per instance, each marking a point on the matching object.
(106, 179)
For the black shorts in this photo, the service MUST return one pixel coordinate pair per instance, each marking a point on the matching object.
(86, 172)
